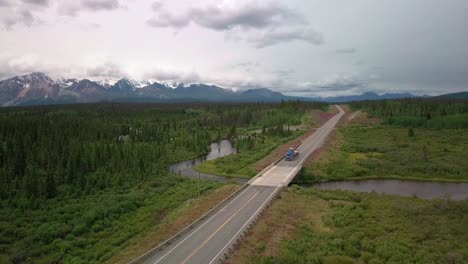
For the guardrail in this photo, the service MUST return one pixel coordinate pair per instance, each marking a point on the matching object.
(245, 231)
(195, 223)
(190, 227)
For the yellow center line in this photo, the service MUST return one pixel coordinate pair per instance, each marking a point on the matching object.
(219, 228)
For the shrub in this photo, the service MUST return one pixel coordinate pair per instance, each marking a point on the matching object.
(79, 229)
(338, 260)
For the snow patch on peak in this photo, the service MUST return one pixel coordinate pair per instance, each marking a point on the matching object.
(35, 76)
(139, 84)
(106, 83)
(66, 83)
(172, 84)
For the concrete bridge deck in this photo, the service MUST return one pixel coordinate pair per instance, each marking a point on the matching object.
(210, 239)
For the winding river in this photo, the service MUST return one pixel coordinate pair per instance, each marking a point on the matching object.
(420, 189)
(218, 149)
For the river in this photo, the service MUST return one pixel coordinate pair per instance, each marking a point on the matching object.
(218, 149)
(420, 189)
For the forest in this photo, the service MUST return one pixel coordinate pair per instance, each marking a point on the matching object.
(76, 177)
(418, 112)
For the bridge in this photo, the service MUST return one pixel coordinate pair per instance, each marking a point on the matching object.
(211, 238)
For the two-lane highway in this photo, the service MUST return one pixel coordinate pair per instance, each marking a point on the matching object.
(209, 240)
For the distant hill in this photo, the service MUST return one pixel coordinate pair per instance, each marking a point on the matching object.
(460, 95)
(364, 96)
(39, 89)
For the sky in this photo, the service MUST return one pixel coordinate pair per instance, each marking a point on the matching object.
(297, 47)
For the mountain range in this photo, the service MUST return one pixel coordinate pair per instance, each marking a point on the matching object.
(39, 89)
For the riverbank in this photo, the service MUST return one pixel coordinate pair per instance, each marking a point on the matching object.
(372, 151)
(305, 225)
(242, 165)
(265, 147)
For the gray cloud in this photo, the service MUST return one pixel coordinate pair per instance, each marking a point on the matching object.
(72, 8)
(5, 3)
(171, 75)
(157, 5)
(346, 51)
(16, 17)
(109, 70)
(101, 4)
(434, 78)
(335, 85)
(268, 23)
(12, 66)
(272, 37)
(168, 20)
(13, 13)
(37, 2)
(284, 73)
(247, 66)
(248, 16)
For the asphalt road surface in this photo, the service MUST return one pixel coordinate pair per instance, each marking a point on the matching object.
(207, 242)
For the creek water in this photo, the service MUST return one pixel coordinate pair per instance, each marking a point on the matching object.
(218, 149)
(423, 190)
(420, 189)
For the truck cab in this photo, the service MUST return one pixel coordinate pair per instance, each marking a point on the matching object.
(291, 154)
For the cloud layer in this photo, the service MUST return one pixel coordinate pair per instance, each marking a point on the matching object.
(72, 8)
(298, 47)
(267, 23)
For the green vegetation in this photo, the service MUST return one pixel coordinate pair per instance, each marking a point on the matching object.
(360, 228)
(418, 139)
(77, 182)
(258, 144)
(428, 113)
(91, 228)
(250, 149)
(381, 151)
(408, 139)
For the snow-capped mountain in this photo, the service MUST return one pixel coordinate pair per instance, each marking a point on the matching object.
(128, 86)
(32, 86)
(66, 83)
(106, 83)
(37, 88)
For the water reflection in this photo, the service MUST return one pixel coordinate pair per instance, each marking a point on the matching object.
(218, 149)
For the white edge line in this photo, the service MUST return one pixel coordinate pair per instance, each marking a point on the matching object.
(246, 223)
(261, 207)
(196, 230)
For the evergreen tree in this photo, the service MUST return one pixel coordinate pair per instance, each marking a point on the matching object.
(51, 188)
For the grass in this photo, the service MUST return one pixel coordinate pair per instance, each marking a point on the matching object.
(176, 221)
(311, 226)
(93, 228)
(241, 165)
(89, 183)
(381, 151)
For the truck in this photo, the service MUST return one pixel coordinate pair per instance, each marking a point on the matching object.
(291, 154)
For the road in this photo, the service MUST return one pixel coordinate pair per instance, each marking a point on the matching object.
(207, 242)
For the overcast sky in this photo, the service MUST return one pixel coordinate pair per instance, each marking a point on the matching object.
(298, 47)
